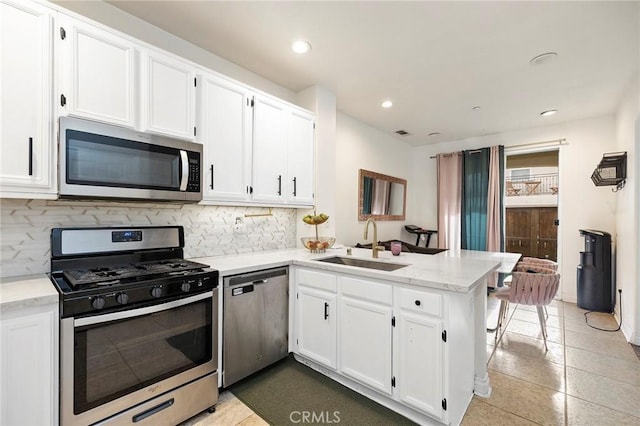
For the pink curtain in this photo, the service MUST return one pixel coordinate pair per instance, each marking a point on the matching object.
(493, 201)
(493, 208)
(449, 199)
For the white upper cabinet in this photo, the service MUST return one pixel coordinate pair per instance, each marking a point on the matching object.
(225, 130)
(283, 153)
(97, 73)
(269, 149)
(168, 95)
(26, 149)
(300, 158)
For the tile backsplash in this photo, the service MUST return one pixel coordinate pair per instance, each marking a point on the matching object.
(209, 230)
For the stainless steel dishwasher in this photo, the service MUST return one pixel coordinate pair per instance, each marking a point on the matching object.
(255, 322)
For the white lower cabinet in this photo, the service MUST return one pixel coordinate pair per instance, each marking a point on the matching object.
(391, 341)
(28, 367)
(316, 317)
(365, 325)
(419, 381)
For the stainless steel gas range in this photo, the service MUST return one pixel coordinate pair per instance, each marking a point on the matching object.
(138, 327)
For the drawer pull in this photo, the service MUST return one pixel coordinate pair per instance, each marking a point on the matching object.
(418, 303)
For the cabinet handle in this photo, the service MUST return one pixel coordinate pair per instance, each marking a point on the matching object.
(30, 156)
(418, 303)
(326, 310)
(211, 168)
(279, 184)
(294, 187)
(63, 100)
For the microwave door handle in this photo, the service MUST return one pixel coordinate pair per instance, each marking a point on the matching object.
(185, 170)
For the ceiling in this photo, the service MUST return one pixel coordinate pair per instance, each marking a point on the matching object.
(434, 60)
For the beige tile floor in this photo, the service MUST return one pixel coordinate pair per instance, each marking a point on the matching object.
(587, 377)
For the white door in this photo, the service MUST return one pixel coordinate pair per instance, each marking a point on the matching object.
(28, 365)
(225, 123)
(97, 72)
(269, 150)
(26, 150)
(365, 342)
(419, 362)
(316, 338)
(168, 96)
(300, 158)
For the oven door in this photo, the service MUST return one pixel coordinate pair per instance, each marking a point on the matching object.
(111, 362)
(100, 160)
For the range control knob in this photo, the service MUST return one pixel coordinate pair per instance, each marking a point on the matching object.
(185, 287)
(122, 298)
(156, 291)
(98, 302)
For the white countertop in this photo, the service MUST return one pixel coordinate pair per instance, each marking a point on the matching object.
(24, 291)
(458, 271)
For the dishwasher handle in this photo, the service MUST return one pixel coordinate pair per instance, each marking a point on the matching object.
(258, 277)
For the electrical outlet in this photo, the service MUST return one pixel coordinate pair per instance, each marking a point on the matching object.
(239, 227)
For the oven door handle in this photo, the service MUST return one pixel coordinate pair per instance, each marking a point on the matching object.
(98, 319)
(184, 179)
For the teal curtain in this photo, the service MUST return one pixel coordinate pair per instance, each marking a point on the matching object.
(475, 190)
(367, 195)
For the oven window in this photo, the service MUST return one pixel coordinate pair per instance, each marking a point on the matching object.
(101, 160)
(116, 358)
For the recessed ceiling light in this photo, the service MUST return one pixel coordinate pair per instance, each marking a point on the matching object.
(542, 58)
(300, 46)
(387, 104)
(548, 112)
(476, 108)
(434, 133)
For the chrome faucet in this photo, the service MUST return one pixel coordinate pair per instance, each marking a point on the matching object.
(375, 248)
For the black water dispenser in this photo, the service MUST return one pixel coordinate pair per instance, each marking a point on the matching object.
(596, 289)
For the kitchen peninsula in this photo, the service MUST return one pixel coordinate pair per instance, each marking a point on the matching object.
(412, 339)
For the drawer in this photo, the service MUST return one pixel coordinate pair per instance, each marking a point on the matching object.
(316, 279)
(366, 290)
(420, 301)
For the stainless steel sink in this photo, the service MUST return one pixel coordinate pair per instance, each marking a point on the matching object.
(362, 263)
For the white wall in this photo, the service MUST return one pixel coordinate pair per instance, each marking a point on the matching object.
(323, 103)
(581, 204)
(359, 146)
(628, 205)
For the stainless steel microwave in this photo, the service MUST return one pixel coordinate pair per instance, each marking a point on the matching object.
(103, 161)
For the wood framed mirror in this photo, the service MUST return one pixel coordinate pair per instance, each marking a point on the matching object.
(381, 197)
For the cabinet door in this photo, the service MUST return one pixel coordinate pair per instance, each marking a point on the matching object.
(26, 150)
(300, 159)
(168, 96)
(316, 337)
(365, 342)
(97, 71)
(269, 150)
(419, 362)
(28, 365)
(225, 122)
